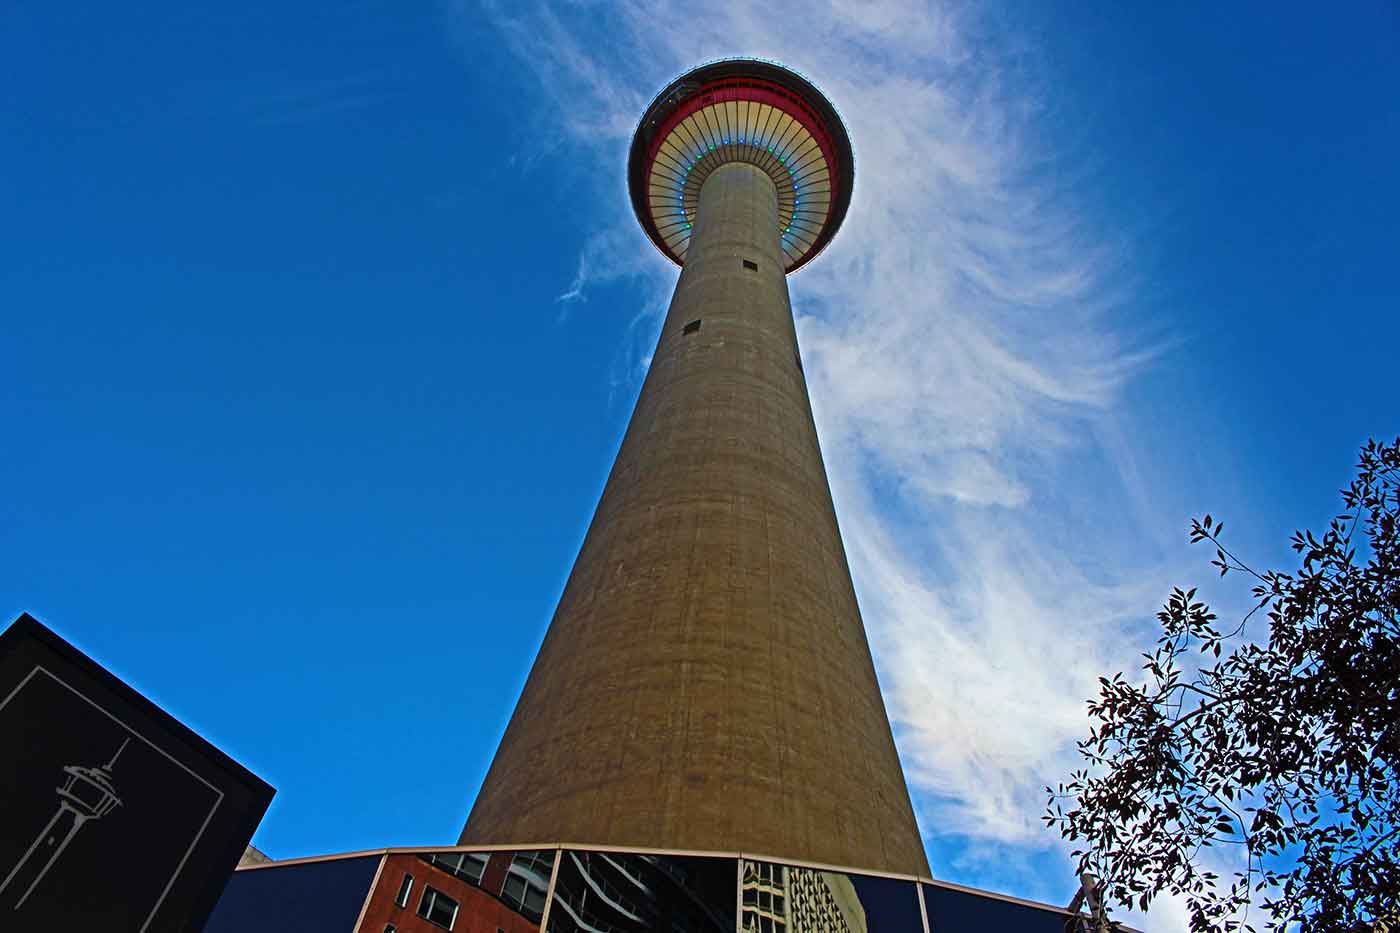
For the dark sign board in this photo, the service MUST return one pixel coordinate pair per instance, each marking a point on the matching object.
(113, 815)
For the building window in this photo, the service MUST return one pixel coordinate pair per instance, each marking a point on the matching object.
(750, 265)
(437, 908)
(540, 863)
(526, 897)
(405, 888)
(469, 866)
(692, 328)
(390, 928)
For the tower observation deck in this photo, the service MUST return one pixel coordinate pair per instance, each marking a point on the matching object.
(706, 683)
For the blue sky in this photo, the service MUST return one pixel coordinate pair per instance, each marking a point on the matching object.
(321, 327)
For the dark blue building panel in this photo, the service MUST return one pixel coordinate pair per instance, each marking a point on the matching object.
(315, 897)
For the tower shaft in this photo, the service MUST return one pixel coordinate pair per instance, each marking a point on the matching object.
(706, 683)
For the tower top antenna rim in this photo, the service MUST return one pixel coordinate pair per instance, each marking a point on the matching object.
(802, 99)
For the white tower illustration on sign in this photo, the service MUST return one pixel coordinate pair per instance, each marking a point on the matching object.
(86, 794)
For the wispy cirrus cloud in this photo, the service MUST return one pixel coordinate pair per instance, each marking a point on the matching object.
(960, 342)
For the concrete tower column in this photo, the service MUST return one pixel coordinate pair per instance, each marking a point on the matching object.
(706, 683)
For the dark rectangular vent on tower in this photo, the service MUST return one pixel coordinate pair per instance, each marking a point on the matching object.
(692, 328)
(750, 264)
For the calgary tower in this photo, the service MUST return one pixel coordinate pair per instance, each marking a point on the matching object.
(706, 683)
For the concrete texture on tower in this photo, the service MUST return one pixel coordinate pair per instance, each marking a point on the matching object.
(706, 683)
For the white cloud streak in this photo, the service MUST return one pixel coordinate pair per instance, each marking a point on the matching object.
(959, 344)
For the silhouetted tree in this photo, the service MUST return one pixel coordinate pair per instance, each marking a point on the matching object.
(1285, 747)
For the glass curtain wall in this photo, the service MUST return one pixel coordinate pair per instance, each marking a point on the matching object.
(951, 910)
(779, 898)
(618, 892)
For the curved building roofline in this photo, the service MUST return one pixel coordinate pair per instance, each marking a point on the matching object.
(757, 81)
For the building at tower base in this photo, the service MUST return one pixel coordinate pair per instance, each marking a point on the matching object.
(576, 889)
